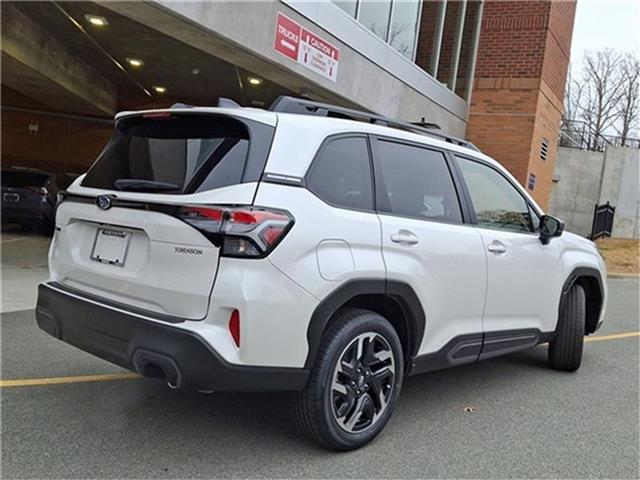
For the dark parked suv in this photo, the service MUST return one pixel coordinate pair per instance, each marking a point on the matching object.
(29, 198)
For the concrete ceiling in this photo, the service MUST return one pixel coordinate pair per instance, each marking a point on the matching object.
(167, 62)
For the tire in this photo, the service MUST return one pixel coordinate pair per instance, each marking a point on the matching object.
(565, 351)
(337, 390)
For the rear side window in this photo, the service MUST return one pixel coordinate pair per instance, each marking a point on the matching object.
(416, 182)
(177, 154)
(341, 173)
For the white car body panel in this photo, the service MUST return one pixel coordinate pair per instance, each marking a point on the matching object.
(446, 265)
(524, 283)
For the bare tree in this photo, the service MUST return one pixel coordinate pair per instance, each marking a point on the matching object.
(602, 91)
(629, 104)
(573, 96)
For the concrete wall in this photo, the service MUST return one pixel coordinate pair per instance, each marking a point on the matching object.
(245, 37)
(621, 187)
(583, 179)
(576, 188)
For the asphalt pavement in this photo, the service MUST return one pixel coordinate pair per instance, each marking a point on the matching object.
(508, 417)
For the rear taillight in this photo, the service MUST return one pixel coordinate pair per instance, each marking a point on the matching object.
(240, 232)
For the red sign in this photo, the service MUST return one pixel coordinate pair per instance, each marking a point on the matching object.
(306, 48)
(287, 37)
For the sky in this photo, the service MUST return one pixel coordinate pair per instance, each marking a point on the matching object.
(603, 24)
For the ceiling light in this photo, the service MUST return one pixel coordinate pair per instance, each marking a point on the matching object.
(254, 81)
(135, 62)
(96, 20)
(159, 89)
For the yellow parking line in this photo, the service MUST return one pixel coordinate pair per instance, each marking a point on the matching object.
(31, 382)
(11, 240)
(615, 336)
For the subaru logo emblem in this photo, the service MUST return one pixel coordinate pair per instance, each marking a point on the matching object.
(104, 202)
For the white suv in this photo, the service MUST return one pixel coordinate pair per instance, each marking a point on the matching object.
(309, 248)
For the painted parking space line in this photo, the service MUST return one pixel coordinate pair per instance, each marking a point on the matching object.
(34, 382)
(615, 336)
(11, 240)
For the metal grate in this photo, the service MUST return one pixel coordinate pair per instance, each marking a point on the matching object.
(544, 149)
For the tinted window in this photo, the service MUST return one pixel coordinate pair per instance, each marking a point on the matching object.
(417, 183)
(23, 179)
(496, 201)
(341, 174)
(191, 152)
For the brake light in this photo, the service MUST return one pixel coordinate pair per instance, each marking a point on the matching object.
(239, 232)
(234, 327)
(156, 115)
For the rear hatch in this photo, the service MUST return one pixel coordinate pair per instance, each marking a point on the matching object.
(122, 233)
(23, 190)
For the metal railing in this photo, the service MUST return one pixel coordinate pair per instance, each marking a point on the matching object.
(578, 134)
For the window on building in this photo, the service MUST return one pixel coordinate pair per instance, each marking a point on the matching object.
(497, 203)
(349, 6)
(374, 14)
(416, 182)
(448, 42)
(403, 27)
(341, 174)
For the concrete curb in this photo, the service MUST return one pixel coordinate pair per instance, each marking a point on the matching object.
(623, 275)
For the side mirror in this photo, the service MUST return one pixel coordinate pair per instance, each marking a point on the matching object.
(550, 227)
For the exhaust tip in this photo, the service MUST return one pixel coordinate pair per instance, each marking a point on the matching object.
(155, 365)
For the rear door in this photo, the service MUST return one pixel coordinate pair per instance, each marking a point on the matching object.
(128, 231)
(427, 245)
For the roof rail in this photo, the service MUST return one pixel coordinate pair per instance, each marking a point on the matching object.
(302, 106)
(224, 102)
(181, 105)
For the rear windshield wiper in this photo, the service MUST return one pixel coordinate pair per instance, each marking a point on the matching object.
(134, 184)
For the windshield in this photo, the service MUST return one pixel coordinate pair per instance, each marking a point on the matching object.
(167, 153)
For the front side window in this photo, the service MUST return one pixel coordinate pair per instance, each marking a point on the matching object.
(416, 182)
(341, 174)
(497, 203)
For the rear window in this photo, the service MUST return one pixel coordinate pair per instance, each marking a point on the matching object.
(23, 179)
(180, 154)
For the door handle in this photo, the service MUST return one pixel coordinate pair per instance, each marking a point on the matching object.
(497, 247)
(405, 237)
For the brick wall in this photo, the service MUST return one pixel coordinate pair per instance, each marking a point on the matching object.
(60, 145)
(518, 93)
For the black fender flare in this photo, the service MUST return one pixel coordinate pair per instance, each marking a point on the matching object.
(575, 274)
(401, 292)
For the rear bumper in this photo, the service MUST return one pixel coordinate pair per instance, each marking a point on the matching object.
(151, 348)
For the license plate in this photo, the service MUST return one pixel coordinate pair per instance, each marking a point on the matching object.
(11, 197)
(110, 246)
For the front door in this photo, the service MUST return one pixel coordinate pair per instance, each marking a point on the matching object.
(524, 276)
